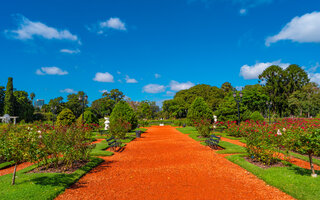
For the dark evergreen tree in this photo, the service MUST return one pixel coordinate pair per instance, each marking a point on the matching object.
(2, 95)
(9, 98)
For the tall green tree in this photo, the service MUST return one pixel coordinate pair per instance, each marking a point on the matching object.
(9, 98)
(32, 96)
(228, 110)
(211, 94)
(226, 88)
(23, 106)
(255, 98)
(305, 102)
(115, 95)
(199, 110)
(296, 78)
(274, 79)
(144, 110)
(56, 103)
(74, 104)
(122, 111)
(2, 95)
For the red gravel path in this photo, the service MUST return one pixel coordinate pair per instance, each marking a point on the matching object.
(166, 164)
(9, 170)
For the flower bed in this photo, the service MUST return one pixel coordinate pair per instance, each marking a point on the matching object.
(266, 142)
(52, 147)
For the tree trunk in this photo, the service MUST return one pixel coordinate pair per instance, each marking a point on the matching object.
(311, 164)
(14, 174)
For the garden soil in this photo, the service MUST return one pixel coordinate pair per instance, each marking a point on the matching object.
(166, 164)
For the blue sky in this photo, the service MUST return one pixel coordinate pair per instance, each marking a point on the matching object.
(152, 49)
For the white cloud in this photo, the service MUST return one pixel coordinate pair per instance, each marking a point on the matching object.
(157, 75)
(102, 28)
(113, 23)
(300, 29)
(28, 30)
(51, 71)
(253, 71)
(243, 11)
(176, 86)
(170, 93)
(130, 80)
(154, 88)
(103, 91)
(68, 90)
(104, 77)
(70, 51)
(314, 77)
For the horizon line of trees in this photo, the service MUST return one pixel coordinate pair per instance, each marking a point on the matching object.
(289, 90)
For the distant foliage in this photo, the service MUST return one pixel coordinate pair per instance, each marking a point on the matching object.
(89, 118)
(256, 116)
(65, 117)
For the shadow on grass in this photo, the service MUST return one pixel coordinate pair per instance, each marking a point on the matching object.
(55, 180)
(301, 171)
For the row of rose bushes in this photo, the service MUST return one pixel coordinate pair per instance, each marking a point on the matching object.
(266, 142)
(45, 144)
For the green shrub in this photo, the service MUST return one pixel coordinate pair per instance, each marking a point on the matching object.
(65, 117)
(119, 128)
(89, 118)
(199, 110)
(122, 110)
(256, 116)
(203, 127)
(143, 123)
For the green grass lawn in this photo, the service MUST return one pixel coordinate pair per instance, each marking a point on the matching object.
(228, 147)
(225, 135)
(292, 180)
(6, 164)
(100, 148)
(41, 185)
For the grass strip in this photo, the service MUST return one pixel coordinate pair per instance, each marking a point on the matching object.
(100, 148)
(36, 186)
(291, 179)
(6, 164)
(229, 148)
(225, 135)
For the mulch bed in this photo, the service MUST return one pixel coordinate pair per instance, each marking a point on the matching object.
(262, 165)
(61, 168)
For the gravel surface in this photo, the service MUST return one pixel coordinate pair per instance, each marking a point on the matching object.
(166, 164)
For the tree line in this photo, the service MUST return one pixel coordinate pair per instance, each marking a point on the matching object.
(289, 90)
(20, 103)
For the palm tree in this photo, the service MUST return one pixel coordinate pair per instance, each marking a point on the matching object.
(32, 96)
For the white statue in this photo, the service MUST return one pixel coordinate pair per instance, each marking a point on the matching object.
(215, 118)
(106, 123)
